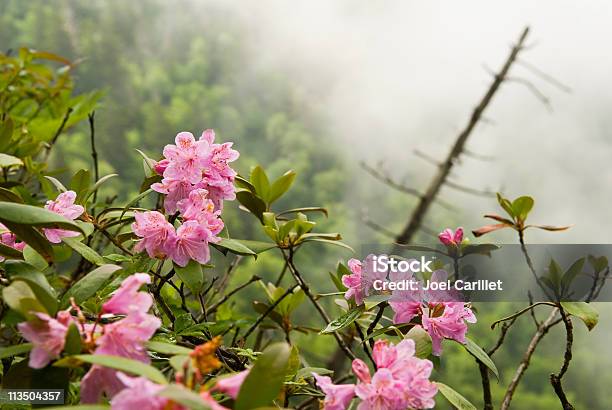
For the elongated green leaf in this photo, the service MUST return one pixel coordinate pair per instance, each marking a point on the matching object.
(457, 400)
(35, 259)
(34, 216)
(6, 133)
(36, 280)
(9, 252)
(192, 275)
(33, 238)
(265, 378)
(84, 250)
(87, 286)
(73, 344)
(9, 196)
(167, 348)
(422, 341)
(481, 355)
(584, 311)
(135, 201)
(115, 362)
(304, 210)
(181, 395)
(256, 246)
(15, 350)
(330, 242)
(98, 184)
(573, 271)
(234, 246)
(260, 181)
(20, 297)
(58, 185)
(80, 183)
(280, 186)
(522, 206)
(345, 320)
(252, 203)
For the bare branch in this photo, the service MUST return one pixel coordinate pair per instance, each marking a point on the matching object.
(555, 379)
(534, 90)
(387, 180)
(426, 157)
(469, 190)
(544, 76)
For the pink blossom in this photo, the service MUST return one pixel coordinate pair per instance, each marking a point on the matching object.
(100, 380)
(63, 205)
(191, 242)
(9, 239)
(450, 238)
(218, 191)
(128, 298)
(401, 380)
(139, 393)
(48, 335)
(186, 159)
(175, 191)
(361, 280)
(199, 208)
(447, 321)
(230, 385)
(127, 337)
(337, 396)
(155, 231)
(160, 166)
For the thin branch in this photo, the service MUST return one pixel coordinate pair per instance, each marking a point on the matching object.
(555, 379)
(480, 157)
(94, 153)
(544, 76)
(228, 295)
(268, 311)
(387, 180)
(426, 200)
(469, 190)
(534, 90)
(426, 157)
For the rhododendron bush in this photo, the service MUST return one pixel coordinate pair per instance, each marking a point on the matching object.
(120, 305)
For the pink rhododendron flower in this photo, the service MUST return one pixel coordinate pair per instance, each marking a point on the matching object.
(401, 380)
(230, 385)
(9, 239)
(139, 393)
(175, 191)
(360, 282)
(160, 166)
(127, 337)
(337, 396)
(155, 231)
(448, 237)
(191, 242)
(185, 159)
(48, 335)
(128, 298)
(64, 206)
(443, 313)
(201, 209)
(100, 380)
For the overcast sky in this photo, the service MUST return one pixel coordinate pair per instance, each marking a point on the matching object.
(395, 76)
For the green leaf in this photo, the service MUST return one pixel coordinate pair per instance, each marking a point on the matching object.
(149, 164)
(422, 341)
(265, 379)
(256, 246)
(98, 184)
(115, 362)
(584, 311)
(454, 398)
(234, 246)
(343, 321)
(34, 258)
(15, 350)
(58, 185)
(304, 210)
(281, 185)
(375, 300)
(307, 372)
(244, 184)
(135, 201)
(34, 216)
(330, 242)
(522, 206)
(9, 196)
(252, 203)
(9, 252)
(73, 344)
(481, 355)
(571, 273)
(167, 348)
(259, 180)
(20, 297)
(33, 238)
(6, 133)
(480, 249)
(87, 286)
(506, 205)
(80, 183)
(36, 280)
(84, 250)
(181, 395)
(9, 161)
(192, 275)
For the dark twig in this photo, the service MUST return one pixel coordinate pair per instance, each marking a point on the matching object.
(436, 183)
(555, 379)
(228, 295)
(94, 153)
(268, 311)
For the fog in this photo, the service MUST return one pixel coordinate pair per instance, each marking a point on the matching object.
(392, 77)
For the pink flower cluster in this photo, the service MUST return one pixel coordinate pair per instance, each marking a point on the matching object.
(443, 314)
(141, 393)
(9, 239)
(197, 178)
(125, 337)
(200, 164)
(63, 205)
(401, 381)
